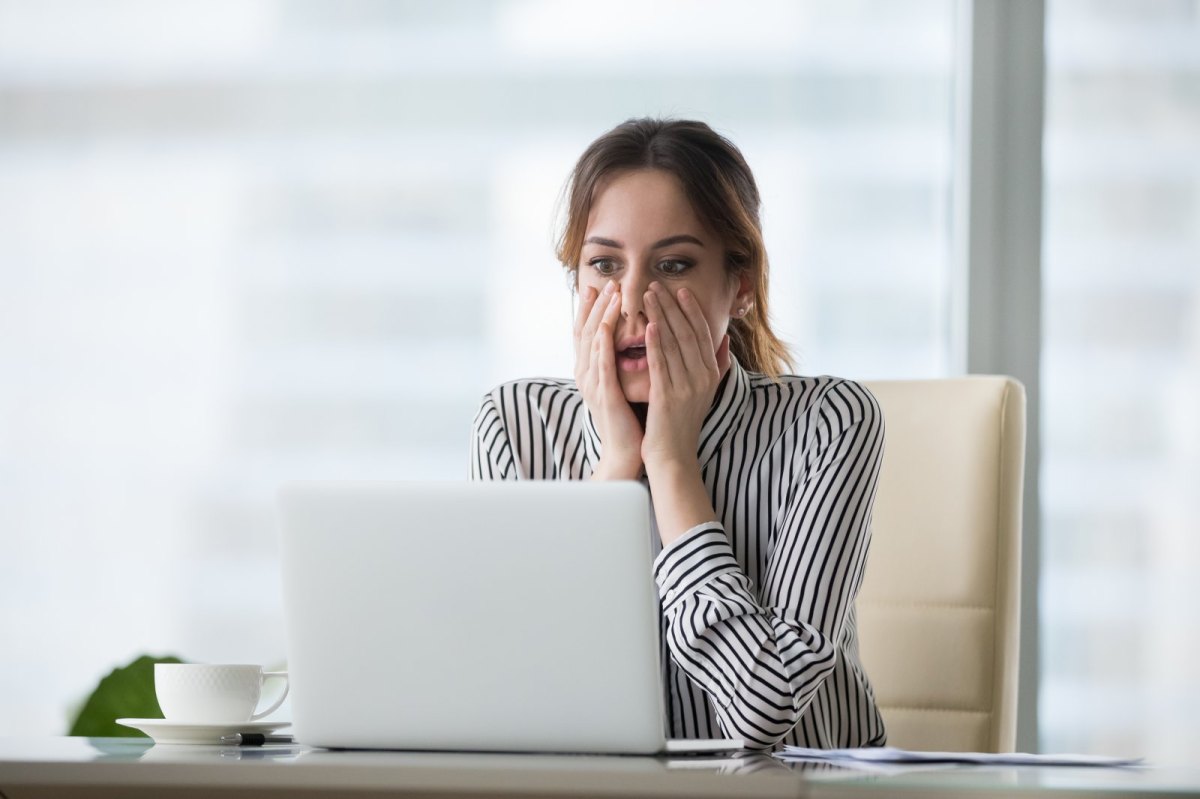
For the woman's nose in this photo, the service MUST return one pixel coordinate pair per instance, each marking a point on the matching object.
(633, 288)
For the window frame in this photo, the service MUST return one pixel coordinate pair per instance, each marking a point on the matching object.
(996, 235)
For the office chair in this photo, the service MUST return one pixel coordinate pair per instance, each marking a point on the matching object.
(938, 611)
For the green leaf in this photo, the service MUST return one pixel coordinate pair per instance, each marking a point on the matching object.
(126, 693)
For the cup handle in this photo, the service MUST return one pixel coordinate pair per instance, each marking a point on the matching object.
(278, 701)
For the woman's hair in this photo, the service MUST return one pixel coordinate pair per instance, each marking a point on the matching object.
(721, 189)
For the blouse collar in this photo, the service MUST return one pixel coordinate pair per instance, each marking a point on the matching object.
(732, 393)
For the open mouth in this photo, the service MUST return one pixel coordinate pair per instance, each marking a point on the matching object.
(632, 358)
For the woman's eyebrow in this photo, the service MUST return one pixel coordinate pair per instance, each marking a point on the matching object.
(682, 238)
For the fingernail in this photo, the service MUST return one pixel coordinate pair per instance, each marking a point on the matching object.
(684, 294)
(608, 287)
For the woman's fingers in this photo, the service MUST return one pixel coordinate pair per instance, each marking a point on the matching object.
(602, 308)
(679, 335)
(680, 328)
(588, 379)
(596, 312)
(598, 374)
(583, 344)
(608, 320)
(604, 360)
(667, 348)
(660, 376)
(608, 383)
(588, 299)
(615, 420)
(695, 317)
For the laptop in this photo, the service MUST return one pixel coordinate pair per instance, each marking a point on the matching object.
(487, 616)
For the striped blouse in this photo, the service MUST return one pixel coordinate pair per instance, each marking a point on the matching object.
(757, 608)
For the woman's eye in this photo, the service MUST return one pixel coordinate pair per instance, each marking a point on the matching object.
(604, 266)
(674, 267)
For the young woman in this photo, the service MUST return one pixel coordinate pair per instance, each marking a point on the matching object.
(761, 483)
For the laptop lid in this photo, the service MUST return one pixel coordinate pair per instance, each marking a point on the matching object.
(515, 616)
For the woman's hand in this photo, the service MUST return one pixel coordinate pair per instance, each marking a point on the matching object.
(685, 370)
(596, 376)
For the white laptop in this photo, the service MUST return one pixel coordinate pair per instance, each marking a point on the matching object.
(492, 616)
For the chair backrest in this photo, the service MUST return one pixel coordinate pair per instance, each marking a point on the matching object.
(938, 612)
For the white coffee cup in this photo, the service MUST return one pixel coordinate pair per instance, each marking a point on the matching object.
(192, 693)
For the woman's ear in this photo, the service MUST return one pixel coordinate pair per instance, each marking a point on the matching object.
(744, 297)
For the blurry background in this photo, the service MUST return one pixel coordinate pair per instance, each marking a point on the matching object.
(242, 242)
(1120, 530)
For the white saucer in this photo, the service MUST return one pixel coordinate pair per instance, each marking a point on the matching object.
(177, 732)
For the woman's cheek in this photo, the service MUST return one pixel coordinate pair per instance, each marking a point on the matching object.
(717, 324)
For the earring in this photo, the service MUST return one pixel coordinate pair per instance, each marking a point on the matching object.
(741, 312)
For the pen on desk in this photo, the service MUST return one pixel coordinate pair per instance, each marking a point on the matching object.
(254, 739)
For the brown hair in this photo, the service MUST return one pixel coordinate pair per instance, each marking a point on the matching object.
(721, 189)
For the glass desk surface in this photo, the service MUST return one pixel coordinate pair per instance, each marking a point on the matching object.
(112, 760)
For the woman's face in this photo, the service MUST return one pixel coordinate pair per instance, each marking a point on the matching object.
(642, 229)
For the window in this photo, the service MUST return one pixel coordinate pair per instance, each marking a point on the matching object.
(1120, 378)
(251, 241)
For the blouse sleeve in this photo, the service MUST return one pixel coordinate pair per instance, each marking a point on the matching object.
(491, 452)
(512, 437)
(761, 656)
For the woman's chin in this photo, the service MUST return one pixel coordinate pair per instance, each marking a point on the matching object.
(636, 386)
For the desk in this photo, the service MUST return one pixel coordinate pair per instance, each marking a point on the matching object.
(131, 767)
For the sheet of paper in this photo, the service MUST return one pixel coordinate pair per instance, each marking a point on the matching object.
(717, 763)
(853, 769)
(891, 755)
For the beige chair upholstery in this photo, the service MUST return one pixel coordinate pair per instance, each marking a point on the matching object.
(938, 610)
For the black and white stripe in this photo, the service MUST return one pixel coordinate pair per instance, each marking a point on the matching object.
(758, 614)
